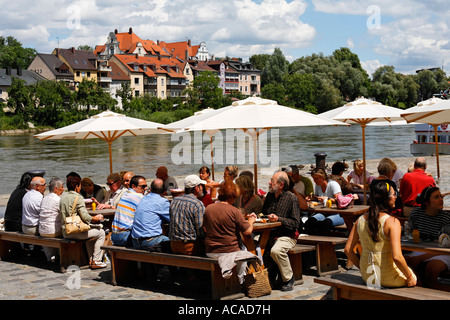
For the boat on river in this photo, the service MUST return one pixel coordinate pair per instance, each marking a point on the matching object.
(424, 144)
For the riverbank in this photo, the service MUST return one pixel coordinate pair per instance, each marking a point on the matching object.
(264, 174)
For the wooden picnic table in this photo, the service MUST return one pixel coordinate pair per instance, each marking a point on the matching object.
(262, 228)
(428, 247)
(350, 215)
(108, 214)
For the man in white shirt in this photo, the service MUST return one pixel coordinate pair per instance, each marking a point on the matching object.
(31, 203)
(49, 216)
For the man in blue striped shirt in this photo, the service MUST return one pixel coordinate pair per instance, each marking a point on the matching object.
(186, 219)
(124, 216)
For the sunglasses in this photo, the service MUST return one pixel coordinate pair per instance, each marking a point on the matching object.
(143, 186)
(110, 183)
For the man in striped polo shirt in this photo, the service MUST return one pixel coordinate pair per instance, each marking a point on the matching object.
(186, 219)
(124, 216)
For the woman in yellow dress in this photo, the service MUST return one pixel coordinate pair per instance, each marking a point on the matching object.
(382, 263)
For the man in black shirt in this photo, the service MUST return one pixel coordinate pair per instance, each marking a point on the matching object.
(282, 205)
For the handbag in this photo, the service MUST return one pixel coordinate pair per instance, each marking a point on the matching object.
(256, 281)
(74, 224)
(344, 201)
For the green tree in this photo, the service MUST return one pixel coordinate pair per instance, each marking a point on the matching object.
(91, 94)
(301, 90)
(427, 83)
(205, 92)
(85, 47)
(275, 69)
(259, 60)
(125, 94)
(274, 91)
(19, 99)
(13, 55)
(52, 99)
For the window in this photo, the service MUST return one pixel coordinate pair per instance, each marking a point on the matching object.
(136, 80)
(162, 83)
(78, 73)
(89, 74)
(162, 94)
(136, 67)
(136, 93)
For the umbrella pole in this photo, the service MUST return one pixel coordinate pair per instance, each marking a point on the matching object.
(212, 157)
(363, 127)
(255, 165)
(110, 157)
(436, 141)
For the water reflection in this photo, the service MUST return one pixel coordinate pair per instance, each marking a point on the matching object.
(145, 153)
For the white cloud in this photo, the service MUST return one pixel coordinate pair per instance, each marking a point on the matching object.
(370, 66)
(350, 43)
(412, 34)
(235, 27)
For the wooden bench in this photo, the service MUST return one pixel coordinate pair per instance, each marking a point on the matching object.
(71, 252)
(121, 268)
(326, 258)
(295, 257)
(350, 286)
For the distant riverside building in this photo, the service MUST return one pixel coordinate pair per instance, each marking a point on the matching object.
(51, 67)
(160, 69)
(6, 76)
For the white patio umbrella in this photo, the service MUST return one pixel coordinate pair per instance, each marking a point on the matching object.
(190, 121)
(107, 126)
(256, 113)
(434, 111)
(364, 111)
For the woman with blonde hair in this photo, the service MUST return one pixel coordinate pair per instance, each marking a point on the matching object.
(356, 176)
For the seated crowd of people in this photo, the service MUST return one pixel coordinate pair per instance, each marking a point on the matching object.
(207, 218)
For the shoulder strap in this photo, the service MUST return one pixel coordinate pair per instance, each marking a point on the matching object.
(73, 207)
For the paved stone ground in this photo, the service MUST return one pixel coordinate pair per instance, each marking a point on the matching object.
(31, 278)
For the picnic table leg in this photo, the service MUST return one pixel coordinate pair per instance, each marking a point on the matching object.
(225, 289)
(297, 267)
(5, 247)
(72, 254)
(326, 259)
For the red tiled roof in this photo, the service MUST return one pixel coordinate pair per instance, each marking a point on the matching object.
(116, 73)
(178, 49)
(162, 66)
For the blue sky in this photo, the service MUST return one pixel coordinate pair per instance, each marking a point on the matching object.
(408, 34)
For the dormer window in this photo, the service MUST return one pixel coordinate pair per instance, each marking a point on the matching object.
(136, 67)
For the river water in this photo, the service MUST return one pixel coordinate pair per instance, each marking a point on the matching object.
(20, 153)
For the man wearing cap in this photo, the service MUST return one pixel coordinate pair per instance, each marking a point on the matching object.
(186, 219)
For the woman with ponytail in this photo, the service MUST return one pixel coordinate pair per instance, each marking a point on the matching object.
(381, 263)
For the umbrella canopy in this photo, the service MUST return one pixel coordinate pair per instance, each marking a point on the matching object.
(253, 113)
(107, 126)
(190, 121)
(364, 111)
(434, 111)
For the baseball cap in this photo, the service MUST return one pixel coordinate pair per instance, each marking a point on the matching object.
(192, 181)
